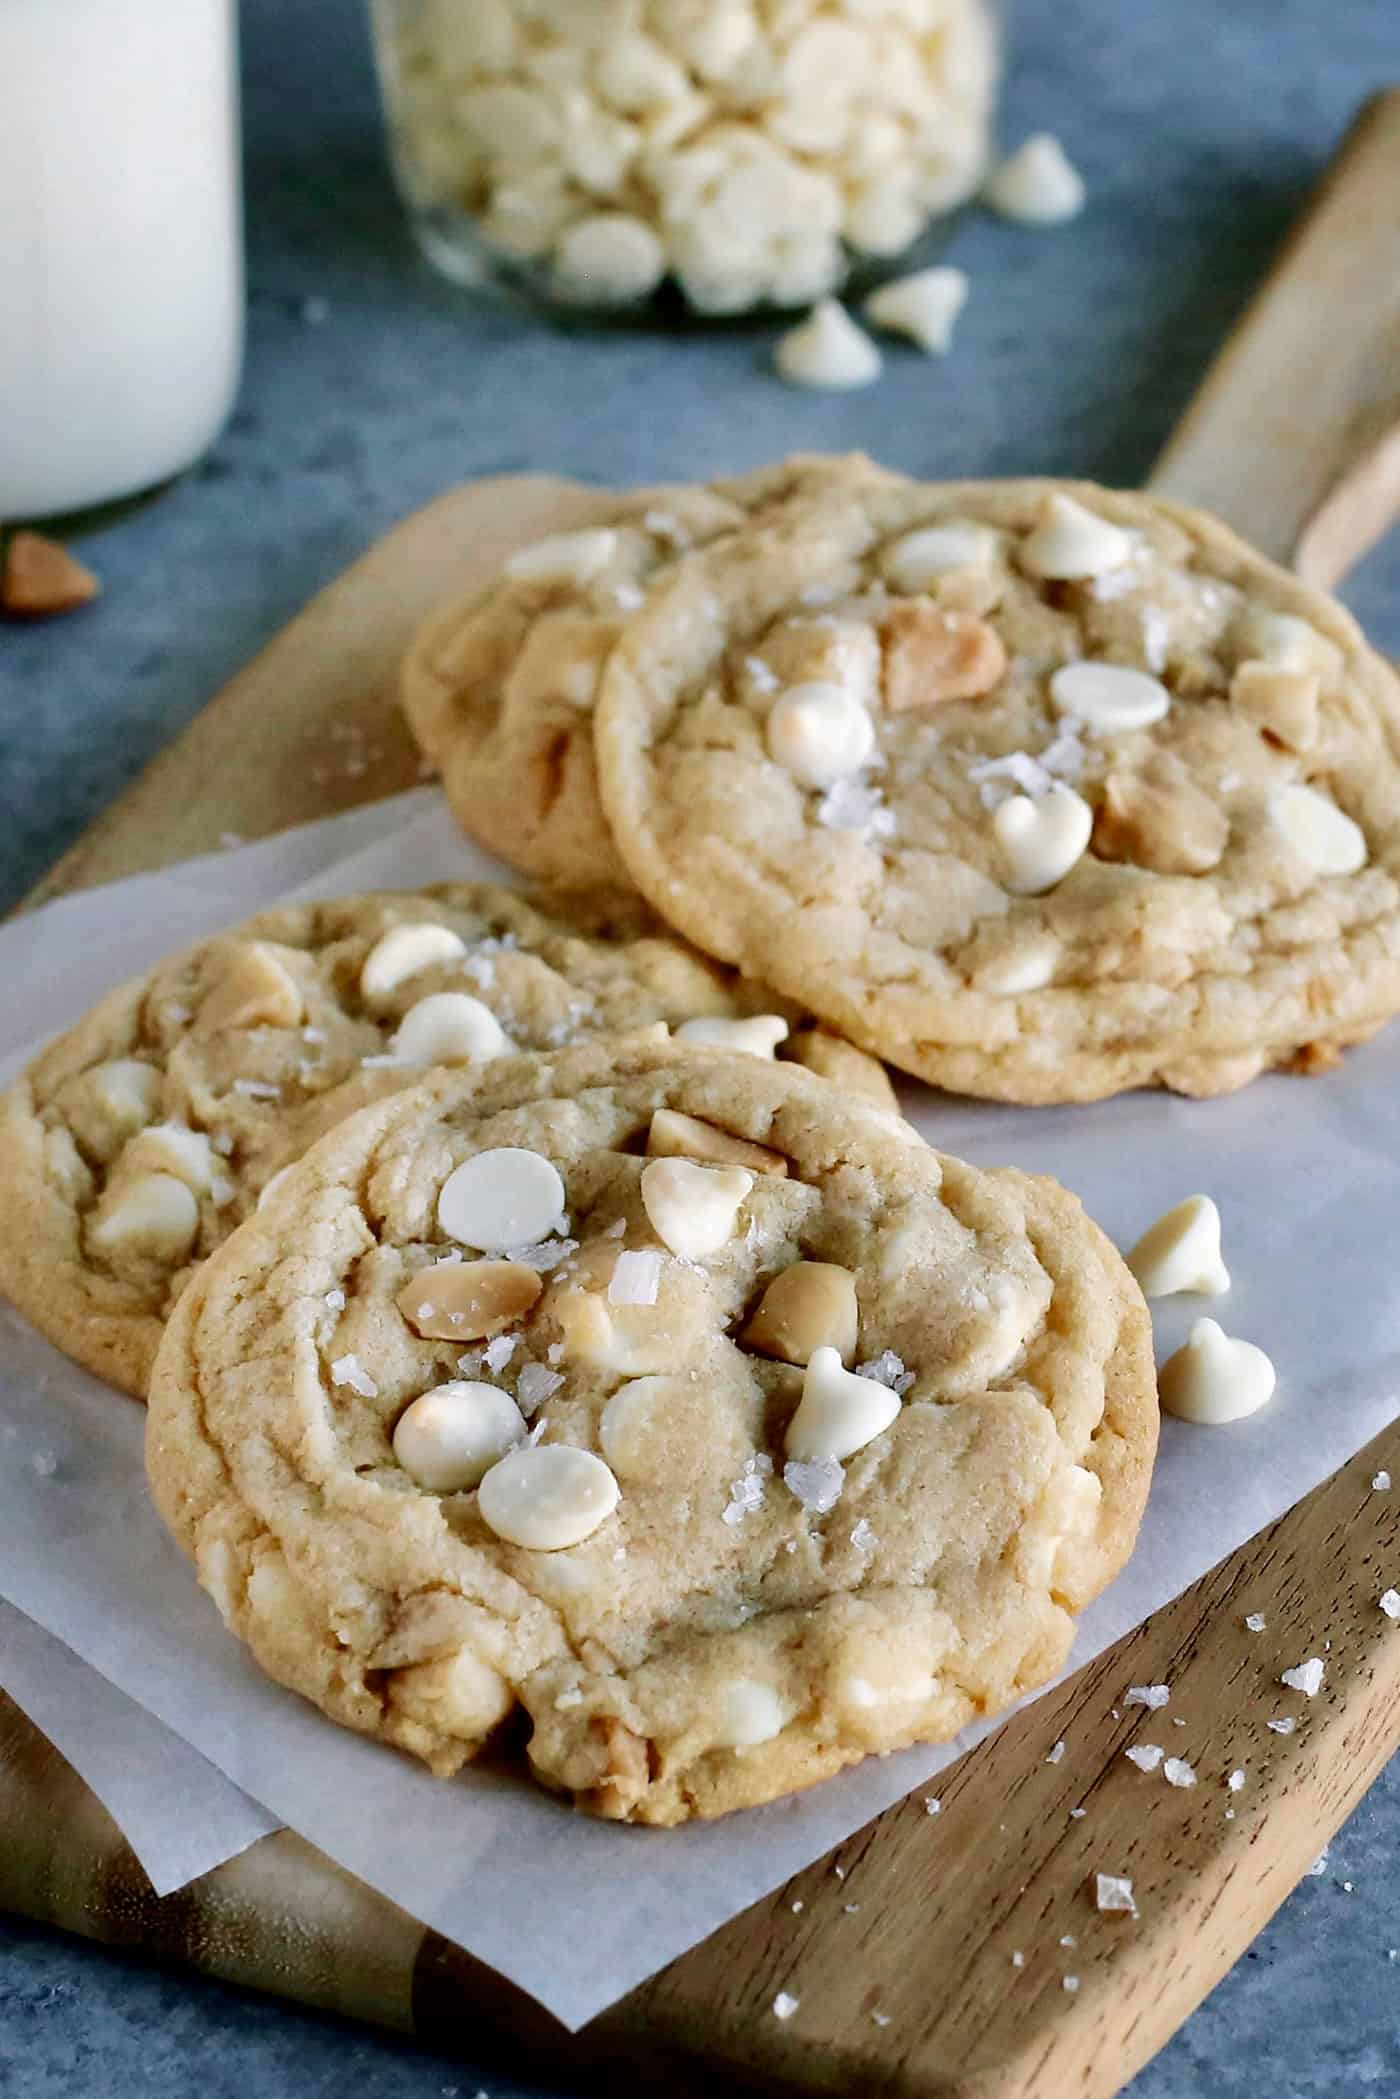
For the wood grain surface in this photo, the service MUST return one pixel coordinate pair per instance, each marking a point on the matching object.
(902, 1952)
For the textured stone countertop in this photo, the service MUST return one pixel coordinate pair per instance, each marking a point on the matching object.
(1200, 127)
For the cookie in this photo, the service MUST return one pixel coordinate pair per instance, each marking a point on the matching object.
(739, 1472)
(136, 1142)
(1040, 791)
(498, 689)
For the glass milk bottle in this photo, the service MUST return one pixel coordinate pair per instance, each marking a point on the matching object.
(121, 280)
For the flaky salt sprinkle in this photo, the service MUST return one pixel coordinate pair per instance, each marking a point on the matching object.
(498, 1353)
(386, 1062)
(1389, 1602)
(887, 1369)
(313, 1035)
(1069, 1940)
(1153, 1696)
(784, 2005)
(335, 1299)
(1146, 1755)
(1282, 1727)
(1381, 1482)
(1319, 1864)
(1177, 1772)
(932, 1805)
(1056, 1753)
(1077, 1814)
(853, 805)
(1307, 1677)
(817, 1485)
(762, 676)
(1070, 1983)
(1114, 1894)
(747, 1491)
(863, 1537)
(534, 1385)
(1237, 1779)
(546, 1253)
(1018, 1959)
(880, 2018)
(257, 1089)
(349, 1370)
(636, 1279)
(1255, 1622)
(997, 779)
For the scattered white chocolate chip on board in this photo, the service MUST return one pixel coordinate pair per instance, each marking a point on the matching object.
(827, 350)
(449, 1027)
(1318, 831)
(924, 306)
(547, 1496)
(155, 1214)
(1042, 839)
(1037, 184)
(839, 1412)
(502, 1199)
(1071, 544)
(758, 1036)
(1109, 697)
(1181, 1252)
(693, 1208)
(819, 734)
(404, 951)
(448, 1439)
(564, 558)
(1214, 1379)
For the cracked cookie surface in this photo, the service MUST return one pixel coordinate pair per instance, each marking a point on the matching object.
(1039, 790)
(717, 1601)
(134, 1144)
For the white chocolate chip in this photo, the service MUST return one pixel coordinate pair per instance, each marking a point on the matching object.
(612, 256)
(449, 1439)
(547, 1496)
(171, 1147)
(1318, 831)
(693, 1208)
(1181, 1252)
(632, 1428)
(828, 350)
(155, 1214)
(1287, 643)
(1037, 185)
(449, 1027)
(565, 557)
(749, 1713)
(1026, 968)
(839, 1413)
(924, 306)
(1109, 697)
(128, 1091)
(819, 733)
(921, 557)
(1042, 840)
(402, 953)
(758, 1036)
(502, 1199)
(1214, 1379)
(467, 1300)
(1071, 544)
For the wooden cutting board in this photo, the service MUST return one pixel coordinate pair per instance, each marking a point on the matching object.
(903, 1945)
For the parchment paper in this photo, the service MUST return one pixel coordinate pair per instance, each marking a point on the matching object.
(576, 1912)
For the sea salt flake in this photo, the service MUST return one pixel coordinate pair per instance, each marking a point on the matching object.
(1177, 1772)
(1282, 1727)
(888, 1369)
(257, 1089)
(863, 1537)
(1307, 1677)
(816, 1484)
(1390, 1603)
(880, 2018)
(1319, 1864)
(1153, 1696)
(853, 805)
(534, 1385)
(349, 1370)
(1069, 1940)
(1070, 1983)
(1146, 1755)
(1018, 1959)
(313, 1035)
(44, 1463)
(1381, 1482)
(1156, 637)
(784, 2005)
(636, 1278)
(997, 779)
(335, 1299)
(572, 1697)
(763, 678)
(1236, 1780)
(384, 1063)
(1056, 1753)
(747, 1491)
(1065, 757)
(1114, 1894)
(1255, 1622)
(931, 1805)
(498, 1353)
(546, 1253)
(1077, 1814)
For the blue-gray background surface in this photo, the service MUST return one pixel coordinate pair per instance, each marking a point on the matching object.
(1200, 125)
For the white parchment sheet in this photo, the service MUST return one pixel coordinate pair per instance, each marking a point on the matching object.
(578, 1912)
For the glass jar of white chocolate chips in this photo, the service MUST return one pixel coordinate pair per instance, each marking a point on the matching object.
(720, 156)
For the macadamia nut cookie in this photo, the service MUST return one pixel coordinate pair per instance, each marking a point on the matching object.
(1041, 791)
(763, 1468)
(499, 689)
(132, 1147)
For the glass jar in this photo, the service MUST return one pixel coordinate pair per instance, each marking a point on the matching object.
(121, 257)
(724, 156)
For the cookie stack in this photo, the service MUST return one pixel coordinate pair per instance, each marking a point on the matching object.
(525, 1328)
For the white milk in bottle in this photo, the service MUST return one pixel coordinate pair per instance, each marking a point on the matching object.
(121, 282)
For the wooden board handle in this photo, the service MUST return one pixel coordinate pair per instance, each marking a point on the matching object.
(1290, 437)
